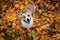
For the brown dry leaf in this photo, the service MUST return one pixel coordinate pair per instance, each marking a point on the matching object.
(40, 11)
(1, 38)
(46, 12)
(43, 37)
(11, 15)
(22, 7)
(44, 26)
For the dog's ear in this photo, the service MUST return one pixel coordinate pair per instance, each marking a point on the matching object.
(31, 7)
(20, 13)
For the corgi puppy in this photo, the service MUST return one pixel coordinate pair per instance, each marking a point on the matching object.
(27, 16)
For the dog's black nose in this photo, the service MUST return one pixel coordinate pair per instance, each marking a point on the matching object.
(28, 20)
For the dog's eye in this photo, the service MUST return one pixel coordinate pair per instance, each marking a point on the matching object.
(23, 16)
(32, 14)
(28, 15)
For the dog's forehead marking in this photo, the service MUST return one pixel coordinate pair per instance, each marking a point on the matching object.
(25, 15)
(26, 11)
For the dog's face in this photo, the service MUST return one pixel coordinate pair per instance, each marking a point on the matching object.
(26, 19)
(27, 16)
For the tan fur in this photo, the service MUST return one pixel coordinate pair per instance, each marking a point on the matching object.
(30, 9)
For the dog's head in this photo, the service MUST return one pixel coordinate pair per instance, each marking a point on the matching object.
(27, 16)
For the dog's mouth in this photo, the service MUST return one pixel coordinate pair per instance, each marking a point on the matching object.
(27, 21)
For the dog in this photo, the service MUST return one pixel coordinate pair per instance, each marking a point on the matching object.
(27, 16)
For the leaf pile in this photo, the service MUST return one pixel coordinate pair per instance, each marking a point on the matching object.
(46, 20)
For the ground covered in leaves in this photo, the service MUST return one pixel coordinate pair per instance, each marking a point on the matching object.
(46, 20)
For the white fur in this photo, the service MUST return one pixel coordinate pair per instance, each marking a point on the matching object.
(26, 25)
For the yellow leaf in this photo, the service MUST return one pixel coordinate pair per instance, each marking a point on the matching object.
(1, 38)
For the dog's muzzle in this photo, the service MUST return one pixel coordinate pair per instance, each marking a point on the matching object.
(28, 21)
